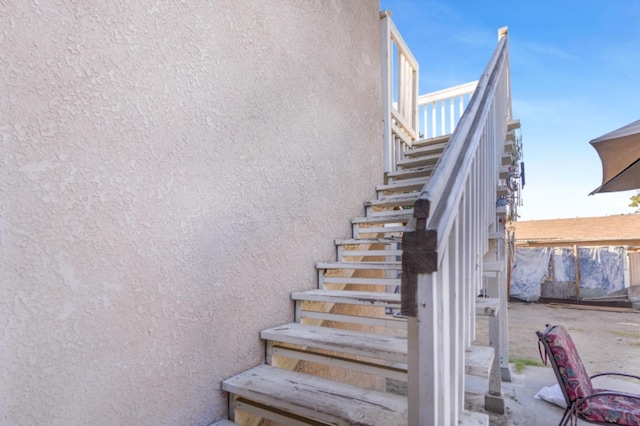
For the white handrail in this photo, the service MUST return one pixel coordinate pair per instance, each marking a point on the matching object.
(444, 245)
(399, 92)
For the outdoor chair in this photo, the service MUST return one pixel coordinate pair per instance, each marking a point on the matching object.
(600, 406)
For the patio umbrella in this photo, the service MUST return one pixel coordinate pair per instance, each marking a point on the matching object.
(619, 153)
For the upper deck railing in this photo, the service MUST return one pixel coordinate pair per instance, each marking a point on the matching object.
(407, 116)
(439, 112)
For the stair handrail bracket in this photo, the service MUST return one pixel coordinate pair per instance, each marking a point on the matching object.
(443, 247)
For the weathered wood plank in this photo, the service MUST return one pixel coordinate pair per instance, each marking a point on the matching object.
(407, 200)
(386, 370)
(410, 173)
(434, 149)
(478, 360)
(373, 345)
(388, 321)
(360, 265)
(395, 218)
(349, 297)
(425, 160)
(367, 241)
(318, 399)
(487, 306)
(363, 253)
(414, 184)
(431, 141)
(364, 281)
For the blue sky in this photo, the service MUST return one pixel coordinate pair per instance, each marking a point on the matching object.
(575, 68)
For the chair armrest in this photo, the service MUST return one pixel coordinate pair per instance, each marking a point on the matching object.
(616, 374)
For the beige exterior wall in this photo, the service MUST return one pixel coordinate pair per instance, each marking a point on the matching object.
(170, 172)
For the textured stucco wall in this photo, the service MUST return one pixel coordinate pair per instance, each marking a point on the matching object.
(169, 173)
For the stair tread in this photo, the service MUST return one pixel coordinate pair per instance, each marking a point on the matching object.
(361, 280)
(375, 345)
(478, 360)
(406, 173)
(426, 149)
(316, 398)
(431, 141)
(383, 219)
(355, 241)
(393, 348)
(404, 185)
(431, 159)
(487, 306)
(409, 198)
(360, 265)
(350, 297)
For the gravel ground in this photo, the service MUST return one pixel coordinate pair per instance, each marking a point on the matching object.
(607, 340)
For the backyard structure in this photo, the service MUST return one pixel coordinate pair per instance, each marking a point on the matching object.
(607, 249)
(172, 175)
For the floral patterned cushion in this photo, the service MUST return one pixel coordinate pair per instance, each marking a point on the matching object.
(617, 409)
(604, 409)
(575, 378)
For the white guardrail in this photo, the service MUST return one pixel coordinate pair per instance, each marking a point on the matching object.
(444, 246)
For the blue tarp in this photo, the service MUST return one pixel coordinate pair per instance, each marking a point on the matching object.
(601, 268)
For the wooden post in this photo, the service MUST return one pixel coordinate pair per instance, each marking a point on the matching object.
(387, 88)
(577, 268)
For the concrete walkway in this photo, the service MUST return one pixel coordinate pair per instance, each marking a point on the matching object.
(523, 409)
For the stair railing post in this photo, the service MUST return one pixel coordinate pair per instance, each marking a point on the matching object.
(386, 52)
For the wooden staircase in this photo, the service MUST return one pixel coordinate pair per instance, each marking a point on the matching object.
(333, 365)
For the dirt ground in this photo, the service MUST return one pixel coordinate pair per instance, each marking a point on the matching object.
(608, 340)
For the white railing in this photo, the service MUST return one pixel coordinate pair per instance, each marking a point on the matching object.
(444, 246)
(440, 111)
(399, 92)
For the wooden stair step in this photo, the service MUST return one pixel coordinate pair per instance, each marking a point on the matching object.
(384, 266)
(388, 321)
(396, 218)
(363, 247)
(431, 141)
(405, 185)
(355, 241)
(318, 399)
(373, 345)
(410, 173)
(432, 149)
(390, 348)
(502, 191)
(478, 360)
(425, 160)
(390, 282)
(369, 298)
(487, 306)
(406, 200)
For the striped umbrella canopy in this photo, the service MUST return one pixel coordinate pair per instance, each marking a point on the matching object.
(619, 153)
